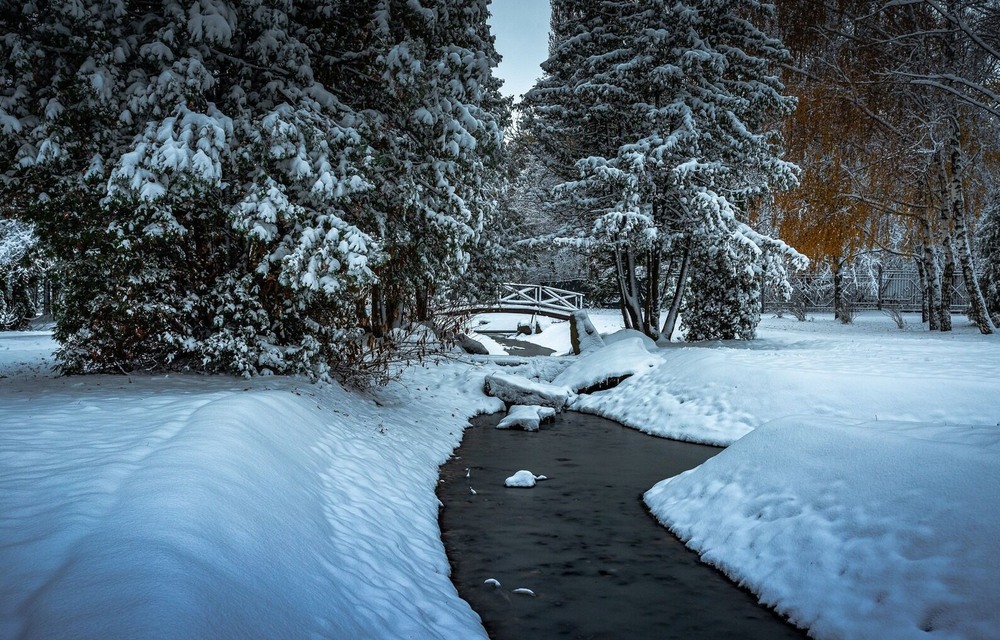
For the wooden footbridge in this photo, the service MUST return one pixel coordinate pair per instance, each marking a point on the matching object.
(535, 299)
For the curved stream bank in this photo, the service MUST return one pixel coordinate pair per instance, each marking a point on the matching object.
(599, 565)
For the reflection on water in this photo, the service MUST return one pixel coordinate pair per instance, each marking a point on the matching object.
(599, 565)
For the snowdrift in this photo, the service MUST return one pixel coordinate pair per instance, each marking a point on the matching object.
(194, 507)
(870, 531)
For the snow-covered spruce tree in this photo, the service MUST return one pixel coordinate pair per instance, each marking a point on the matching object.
(193, 178)
(689, 91)
(435, 115)
(21, 269)
(575, 116)
(569, 111)
(499, 255)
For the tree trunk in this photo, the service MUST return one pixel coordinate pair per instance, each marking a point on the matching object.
(622, 292)
(839, 312)
(627, 286)
(422, 306)
(395, 310)
(378, 312)
(947, 286)
(675, 305)
(880, 290)
(621, 308)
(930, 269)
(977, 302)
(47, 297)
(922, 279)
(651, 306)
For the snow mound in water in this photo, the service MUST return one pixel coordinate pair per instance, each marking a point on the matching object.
(523, 479)
(527, 417)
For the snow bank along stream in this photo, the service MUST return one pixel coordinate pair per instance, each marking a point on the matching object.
(859, 496)
(862, 504)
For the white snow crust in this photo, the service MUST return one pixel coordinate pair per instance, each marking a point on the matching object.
(859, 496)
(717, 392)
(876, 530)
(627, 357)
(864, 503)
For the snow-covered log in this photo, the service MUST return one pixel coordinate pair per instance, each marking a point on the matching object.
(611, 364)
(514, 390)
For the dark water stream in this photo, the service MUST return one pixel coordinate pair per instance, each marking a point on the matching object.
(519, 347)
(600, 566)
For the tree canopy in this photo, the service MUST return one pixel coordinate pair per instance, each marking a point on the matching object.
(659, 118)
(247, 186)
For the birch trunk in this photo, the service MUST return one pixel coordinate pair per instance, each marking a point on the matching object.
(977, 302)
(929, 259)
(947, 286)
(944, 205)
(922, 278)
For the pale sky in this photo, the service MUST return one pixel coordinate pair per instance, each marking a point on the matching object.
(521, 28)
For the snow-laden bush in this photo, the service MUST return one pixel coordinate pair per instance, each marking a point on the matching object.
(234, 186)
(723, 300)
(20, 272)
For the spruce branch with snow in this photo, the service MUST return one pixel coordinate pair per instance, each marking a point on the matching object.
(659, 119)
(22, 270)
(436, 116)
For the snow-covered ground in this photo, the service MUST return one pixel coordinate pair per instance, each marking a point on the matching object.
(861, 493)
(866, 502)
(210, 507)
(860, 496)
(816, 371)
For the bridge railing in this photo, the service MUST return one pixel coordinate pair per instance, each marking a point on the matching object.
(542, 297)
(528, 298)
